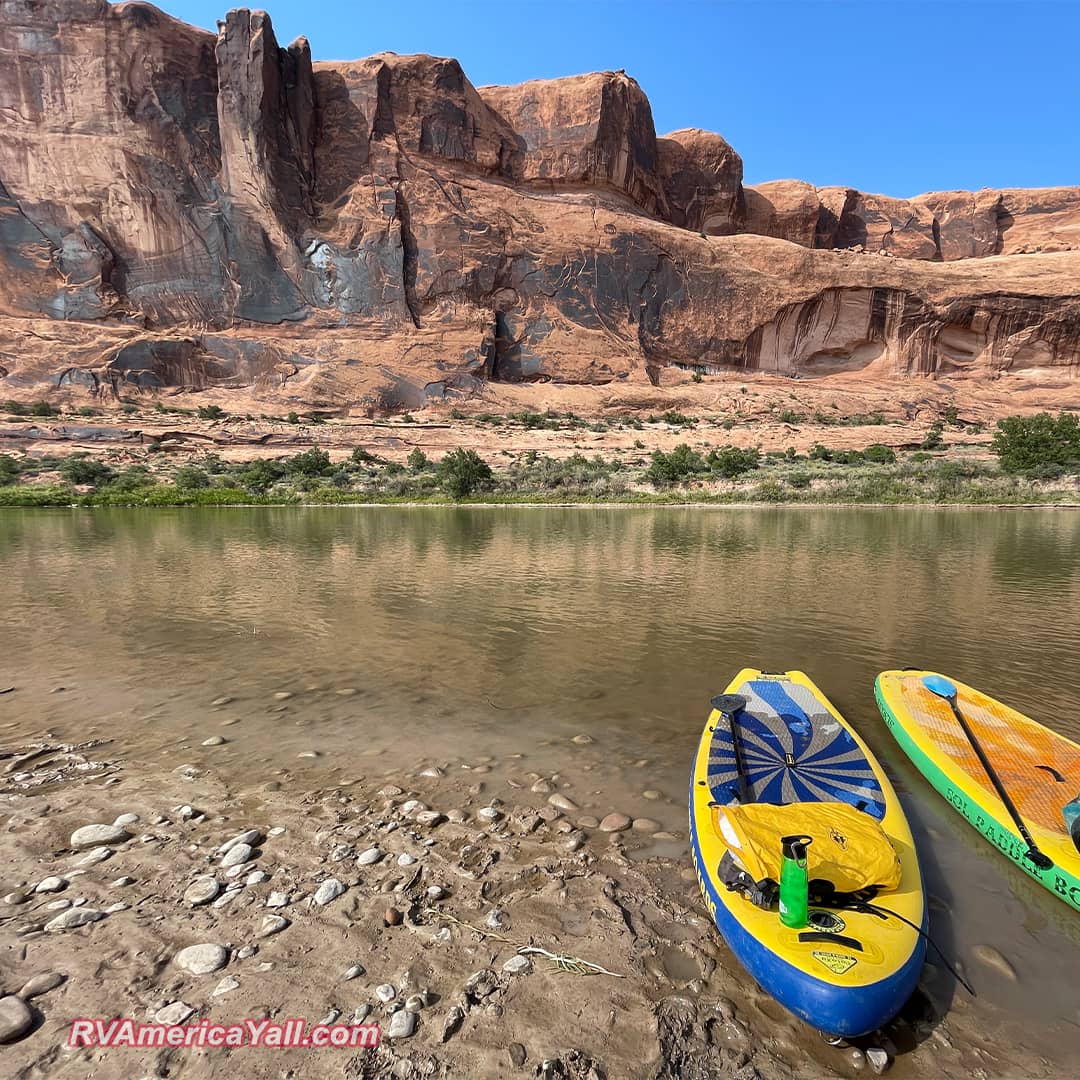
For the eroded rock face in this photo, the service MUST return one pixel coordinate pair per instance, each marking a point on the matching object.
(592, 130)
(185, 211)
(702, 178)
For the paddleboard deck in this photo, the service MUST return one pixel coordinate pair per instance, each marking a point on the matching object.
(1039, 769)
(848, 972)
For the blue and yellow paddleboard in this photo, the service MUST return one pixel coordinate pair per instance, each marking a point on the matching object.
(848, 972)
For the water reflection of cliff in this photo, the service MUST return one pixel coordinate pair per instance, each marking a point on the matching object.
(643, 612)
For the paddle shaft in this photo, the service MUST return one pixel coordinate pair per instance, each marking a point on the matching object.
(730, 718)
(1042, 861)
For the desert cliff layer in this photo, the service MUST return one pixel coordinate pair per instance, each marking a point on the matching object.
(181, 210)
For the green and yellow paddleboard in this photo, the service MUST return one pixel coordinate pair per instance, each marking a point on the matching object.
(1038, 768)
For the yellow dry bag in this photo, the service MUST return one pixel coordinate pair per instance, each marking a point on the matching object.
(849, 849)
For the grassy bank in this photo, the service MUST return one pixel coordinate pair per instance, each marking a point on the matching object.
(1036, 460)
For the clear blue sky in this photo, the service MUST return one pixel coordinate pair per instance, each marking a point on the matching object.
(889, 97)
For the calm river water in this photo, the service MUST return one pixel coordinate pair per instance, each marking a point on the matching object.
(487, 632)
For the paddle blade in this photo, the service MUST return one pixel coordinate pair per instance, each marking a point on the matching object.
(728, 704)
(938, 684)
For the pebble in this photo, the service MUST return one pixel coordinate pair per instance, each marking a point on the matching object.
(201, 959)
(646, 825)
(238, 855)
(652, 794)
(402, 1025)
(488, 813)
(392, 917)
(246, 952)
(452, 1022)
(368, 857)
(518, 1055)
(390, 791)
(277, 830)
(415, 1002)
(405, 859)
(588, 822)
(73, 917)
(574, 842)
(201, 891)
(176, 1013)
(329, 890)
(112, 909)
(340, 852)
(988, 955)
(494, 920)
(226, 984)
(435, 892)
(385, 992)
(51, 884)
(16, 897)
(273, 924)
(99, 854)
(41, 984)
(517, 965)
(855, 1058)
(215, 740)
(256, 877)
(879, 1060)
(615, 822)
(277, 899)
(92, 835)
(224, 700)
(429, 817)
(227, 897)
(457, 816)
(582, 740)
(58, 905)
(120, 882)
(543, 787)
(346, 691)
(361, 1013)
(250, 837)
(283, 695)
(354, 972)
(561, 802)
(126, 819)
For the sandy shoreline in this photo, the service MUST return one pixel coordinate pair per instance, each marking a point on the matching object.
(486, 839)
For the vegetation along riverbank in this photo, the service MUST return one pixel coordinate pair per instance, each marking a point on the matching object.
(671, 458)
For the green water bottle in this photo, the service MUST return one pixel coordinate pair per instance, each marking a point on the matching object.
(793, 881)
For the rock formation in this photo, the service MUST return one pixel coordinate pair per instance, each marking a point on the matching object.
(181, 210)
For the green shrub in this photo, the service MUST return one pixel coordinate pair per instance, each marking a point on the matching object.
(731, 461)
(129, 409)
(789, 416)
(361, 457)
(668, 469)
(191, 478)
(81, 469)
(212, 412)
(86, 410)
(696, 377)
(14, 408)
(9, 469)
(418, 460)
(292, 418)
(260, 475)
(933, 440)
(42, 408)
(877, 454)
(313, 462)
(132, 479)
(799, 479)
(461, 472)
(677, 418)
(770, 490)
(457, 414)
(1023, 443)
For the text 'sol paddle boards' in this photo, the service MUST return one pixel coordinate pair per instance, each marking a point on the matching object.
(1037, 769)
(851, 969)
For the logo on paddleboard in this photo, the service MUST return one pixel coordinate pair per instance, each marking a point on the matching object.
(837, 963)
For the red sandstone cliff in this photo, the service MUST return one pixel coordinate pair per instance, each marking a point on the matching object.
(180, 210)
